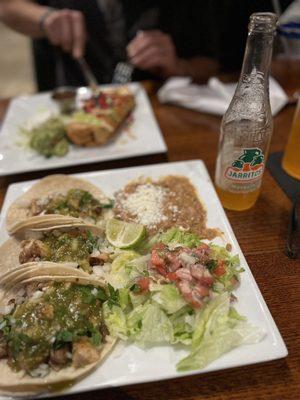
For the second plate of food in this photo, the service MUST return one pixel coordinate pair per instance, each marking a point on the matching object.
(117, 122)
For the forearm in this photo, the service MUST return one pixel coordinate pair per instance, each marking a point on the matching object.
(23, 16)
(199, 68)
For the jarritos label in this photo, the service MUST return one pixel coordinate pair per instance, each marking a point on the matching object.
(249, 166)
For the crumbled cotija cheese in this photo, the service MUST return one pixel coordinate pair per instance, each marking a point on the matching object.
(146, 203)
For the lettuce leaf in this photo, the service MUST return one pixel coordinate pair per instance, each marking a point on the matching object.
(124, 298)
(138, 299)
(126, 267)
(178, 237)
(173, 237)
(217, 332)
(163, 316)
(208, 333)
(147, 243)
(219, 252)
(81, 116)
(148, 325)
(115, 320)
(183, 322)
(168, 297)
(224, 282)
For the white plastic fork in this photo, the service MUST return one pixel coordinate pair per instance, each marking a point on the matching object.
(122, 73)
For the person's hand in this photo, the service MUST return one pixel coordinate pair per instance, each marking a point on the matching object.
(155, 51)
(66, 29)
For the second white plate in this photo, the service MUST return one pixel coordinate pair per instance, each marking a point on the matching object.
(142, 137)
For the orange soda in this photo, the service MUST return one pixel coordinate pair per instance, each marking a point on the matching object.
(291, 158)
(247, 125)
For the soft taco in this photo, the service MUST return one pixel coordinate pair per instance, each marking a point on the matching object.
(43, 269)
(84, 246)
(56, 197)
(52, 331)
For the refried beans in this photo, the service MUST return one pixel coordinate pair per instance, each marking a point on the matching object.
(162, 204)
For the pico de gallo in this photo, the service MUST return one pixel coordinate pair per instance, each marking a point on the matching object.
(194, 271)
(101, 100)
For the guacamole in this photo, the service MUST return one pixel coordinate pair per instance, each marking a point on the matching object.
(49, 138)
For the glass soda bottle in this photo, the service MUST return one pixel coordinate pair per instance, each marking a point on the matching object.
(291, 157)
(247, 125)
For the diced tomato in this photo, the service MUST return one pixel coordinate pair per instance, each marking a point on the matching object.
(158, 263)
(174, 262)
(156, 259)
(206, 281)
(195, 303)
(161, 270)
(102, 101)
(144, 284)
(184, 274)
(197, 271)
(201, 291)
(220, 269)
(202, 252)
(172, 276)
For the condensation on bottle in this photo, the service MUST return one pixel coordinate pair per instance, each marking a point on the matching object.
(247, 125)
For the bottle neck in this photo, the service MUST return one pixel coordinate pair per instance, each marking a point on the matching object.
(258, 55)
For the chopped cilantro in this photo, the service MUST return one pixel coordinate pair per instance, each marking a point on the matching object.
(96, 338)
(109, 204)
(62, 338)
(211, 264)
(101, 295)
(114, 298)
(86, 198)
(135, 288)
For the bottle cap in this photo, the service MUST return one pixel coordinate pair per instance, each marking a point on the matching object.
(263, 22)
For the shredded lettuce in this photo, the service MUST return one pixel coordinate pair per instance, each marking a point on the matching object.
(176, 236)
(183, 322)
(115, 321)
(233, 314)
(219, 252)
(124, 298)
(147, 243)
(208, 333)
(161, 315)
(81, 116)
(173, 237)
(148, 324)
(125, 268)
(233, 269)
(137, 299)
(216, 332)
(168, 297)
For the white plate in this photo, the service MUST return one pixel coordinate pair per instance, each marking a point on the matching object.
(128, 364)
(142, 137)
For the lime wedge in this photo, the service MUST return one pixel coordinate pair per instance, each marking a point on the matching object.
(123, 234)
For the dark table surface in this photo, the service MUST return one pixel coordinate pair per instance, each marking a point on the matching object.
(261, 233)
